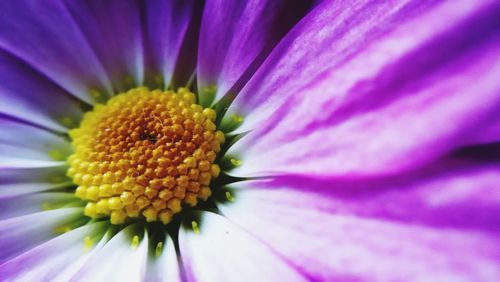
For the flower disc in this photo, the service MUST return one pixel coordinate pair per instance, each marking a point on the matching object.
(145, 154)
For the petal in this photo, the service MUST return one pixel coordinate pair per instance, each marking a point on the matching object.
(63, 250)
(22, 145)
(20, 181)
(490, 134)
(118, 251)
(233, 34)
(17, 158)
(164, 267)
(67, 273)
(19, 134)
(24, 94)
(224, 252)
(453, 194)
(373, 114)
(166, 26)
(113, 30)
(349, 43)
(46, 36)
(334, 243)
(24, 205)
(19, 234)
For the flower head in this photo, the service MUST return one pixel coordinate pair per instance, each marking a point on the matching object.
(249, 140)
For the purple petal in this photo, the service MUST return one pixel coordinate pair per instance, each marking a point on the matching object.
(64, 250)
(17, 159)
(233, 34)
(20, 181)
(20, 234)
(22, 145)
(29, 96)
(166, 24)
(224, 252)
(99, 239)
(46, 36)
(490, 134)
(374, 114)
(454, 194)
(24, 205)
(333, 238)
(113, 31)
(19, 134)
(348, 43)
(118, 251)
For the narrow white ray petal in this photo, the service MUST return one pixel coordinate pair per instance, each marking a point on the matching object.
(20, 134)
(119, 260)
(22, 233)
(19, 181)
(23, 145)
(28, 204)
(69, 272)
(7, 163)
(45, 262)
(221, 251)
(163, 265)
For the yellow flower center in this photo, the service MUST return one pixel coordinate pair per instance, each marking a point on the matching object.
(145, 154)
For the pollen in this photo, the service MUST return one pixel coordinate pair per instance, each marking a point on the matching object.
(145, 154)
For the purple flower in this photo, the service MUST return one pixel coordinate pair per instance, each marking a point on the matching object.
(275, 141)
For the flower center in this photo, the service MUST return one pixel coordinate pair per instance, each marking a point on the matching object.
(145, 154)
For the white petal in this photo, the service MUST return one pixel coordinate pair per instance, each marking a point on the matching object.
(69, 272)
(23, 205)
(164, 268)
(224, 252)
(118, 260)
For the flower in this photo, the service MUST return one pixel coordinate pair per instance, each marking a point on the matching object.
(338, 140)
